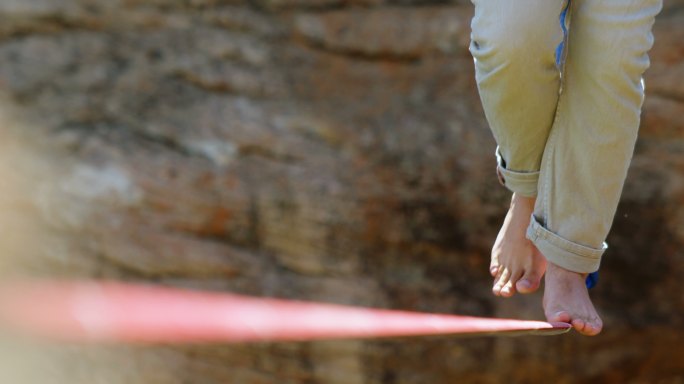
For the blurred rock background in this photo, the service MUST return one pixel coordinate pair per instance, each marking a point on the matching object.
(313, 149)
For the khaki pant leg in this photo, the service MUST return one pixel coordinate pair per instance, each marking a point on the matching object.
(592, 139)
(514, 45)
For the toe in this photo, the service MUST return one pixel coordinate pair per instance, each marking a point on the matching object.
(508, 289)
(559, 316)
(579, 325)
(593, 327)
(494, 265)
(588, 328)
(501, 280)
(494, 270)
(528, 283)
(593, 331)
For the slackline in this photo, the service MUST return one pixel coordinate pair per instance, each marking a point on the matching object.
(135, 313)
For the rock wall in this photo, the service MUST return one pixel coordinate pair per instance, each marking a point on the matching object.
(312, 149)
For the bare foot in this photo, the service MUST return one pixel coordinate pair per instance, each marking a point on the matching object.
(516, 263)
(566, 299)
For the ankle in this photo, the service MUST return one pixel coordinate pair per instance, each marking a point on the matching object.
(556, 270)
(523, 202)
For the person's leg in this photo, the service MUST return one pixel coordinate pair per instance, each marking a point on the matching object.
(589, 149)
(514, 45)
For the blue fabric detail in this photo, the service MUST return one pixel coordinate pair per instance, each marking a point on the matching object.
(592, 279)
(559, 49)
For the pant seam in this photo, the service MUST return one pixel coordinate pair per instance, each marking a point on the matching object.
(557, 116)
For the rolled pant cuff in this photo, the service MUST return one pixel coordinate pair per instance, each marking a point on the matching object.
(562, 252)
(522, 183)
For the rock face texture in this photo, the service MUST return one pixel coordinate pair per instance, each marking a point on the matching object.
(312, 149)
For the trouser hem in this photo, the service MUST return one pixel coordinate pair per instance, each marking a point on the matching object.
(522, 183)
(563, 252)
